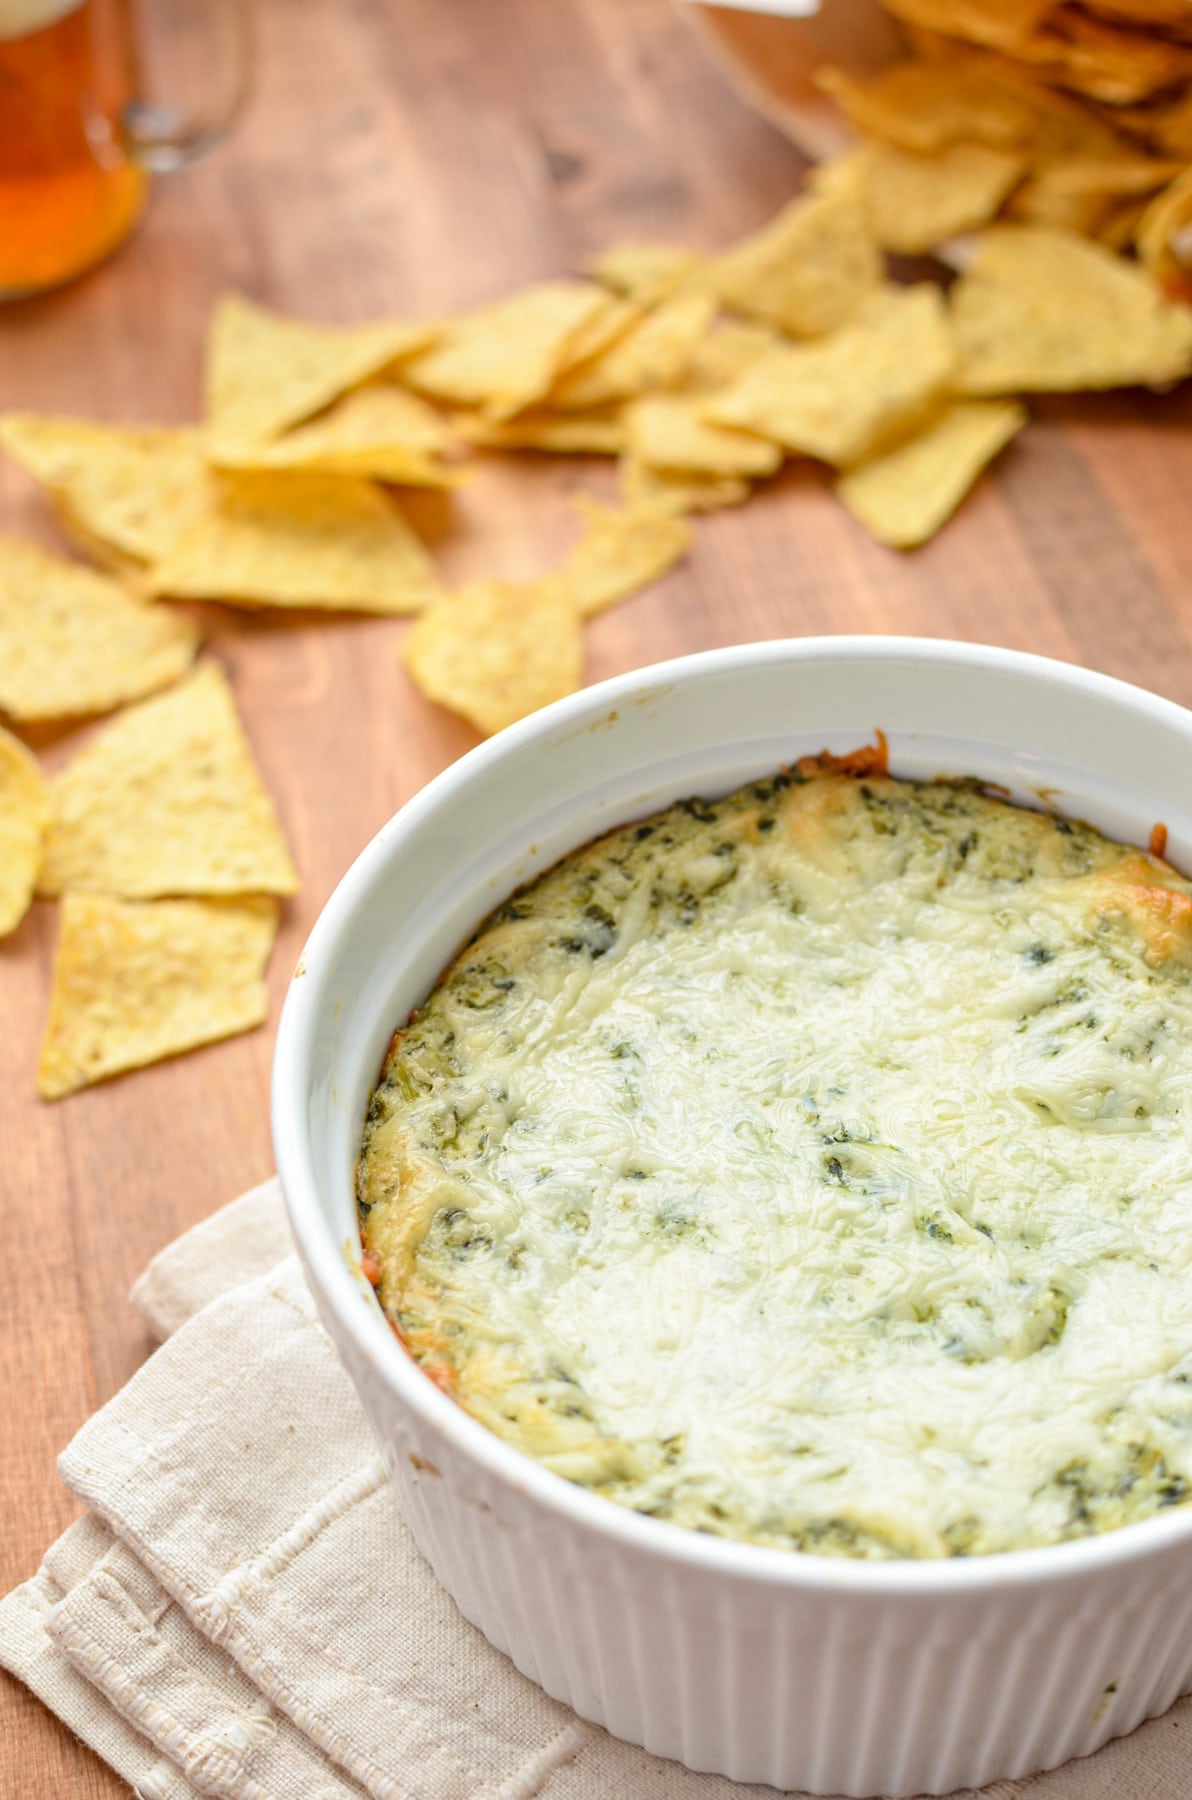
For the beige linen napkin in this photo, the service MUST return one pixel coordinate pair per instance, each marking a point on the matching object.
(243, 1613)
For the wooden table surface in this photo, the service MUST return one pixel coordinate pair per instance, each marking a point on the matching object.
(414, 157)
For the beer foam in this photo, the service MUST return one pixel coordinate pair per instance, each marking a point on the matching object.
(20, 18)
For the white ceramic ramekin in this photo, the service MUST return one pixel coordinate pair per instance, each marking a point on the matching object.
(806, 1672)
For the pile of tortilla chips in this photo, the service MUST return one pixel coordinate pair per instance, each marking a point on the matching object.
(288, 494)
(1053, 141)
(700, 374)
(1076, 117)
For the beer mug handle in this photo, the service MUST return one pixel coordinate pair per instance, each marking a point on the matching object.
(162, 138)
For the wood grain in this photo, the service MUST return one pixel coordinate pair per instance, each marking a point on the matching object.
(414, 157)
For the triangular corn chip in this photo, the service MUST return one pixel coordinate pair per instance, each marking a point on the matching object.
(379, 430)
(599, 433)
(652, 353)
(138, 981)
(663, 490)
(810, 269)
(1046, 311)
(600, 330)
(1074, 188)
(24, 810)
(903, 497)
(73, 642)
(733, 346)
(924, 105)
(130, 570)
(1107, 62)
(167, 799)
(1117, 227)
(1164, 236)
(266, 373)
(646, 273)
(134, 488)
(1119, 175)
(504, 357)
(496, 651)
(1064, 125)
(1039, 202)
(301, 539)
(1002, 24)
(1169, 128)
(843, 398)
(620, 551)
(1171, 13)
(917, 202)
(668, 432)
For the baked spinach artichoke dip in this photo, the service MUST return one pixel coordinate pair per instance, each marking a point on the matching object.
(813, 1167)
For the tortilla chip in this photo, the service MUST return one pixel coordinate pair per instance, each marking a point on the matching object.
(1163, 237)
(668, 432)
(1117, 228)
(733, 346)
(903, 497)
(667, 491)
(621, 551)
(1039, 202)
(923, 106)
(131, 572)
(301, 539)
(597, 433)
(1048, 312)
(266, 373)
(1001, 24)
(73, 642)
(1076, 192)
(379, 430)
(844, 398)
(1169, 128)
(504, 357)
(1065, 124)
(652, 353)
(1120, 175)
(599, 332)
(24, 810)
(1171, 14)
(134, 488)
(1162, 126)
(1108, 62)
(497, 650)
(167, 799)
(138, 981)
(917, 202)
(646, 273)
(810, 269)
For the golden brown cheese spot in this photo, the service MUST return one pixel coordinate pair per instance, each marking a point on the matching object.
(1140, 893)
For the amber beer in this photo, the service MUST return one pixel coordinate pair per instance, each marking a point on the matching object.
(68, 189)
(77, 139)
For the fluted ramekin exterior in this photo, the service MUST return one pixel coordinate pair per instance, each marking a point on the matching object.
(830, 1691)
(833, 1677)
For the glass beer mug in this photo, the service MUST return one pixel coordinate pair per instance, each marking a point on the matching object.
(77, 144)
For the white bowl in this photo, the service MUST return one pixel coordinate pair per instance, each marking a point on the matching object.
(807, 1672)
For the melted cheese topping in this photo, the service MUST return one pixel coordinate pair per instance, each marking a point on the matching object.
(814, 1167)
